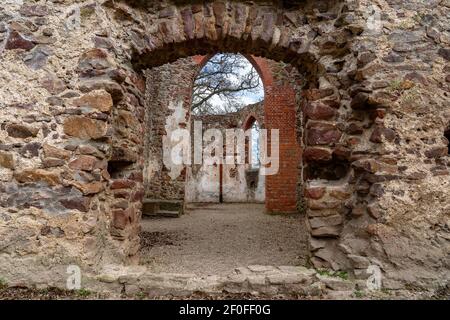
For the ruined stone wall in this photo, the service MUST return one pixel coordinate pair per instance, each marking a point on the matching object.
(375, 104)
(401, 166)
(70, 133)
(169, 95)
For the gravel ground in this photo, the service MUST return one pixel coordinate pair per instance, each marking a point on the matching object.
(213, 239)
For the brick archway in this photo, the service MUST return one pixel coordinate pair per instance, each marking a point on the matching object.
(250, 120)
(280, 113)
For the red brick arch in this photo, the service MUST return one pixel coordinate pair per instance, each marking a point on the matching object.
(251, 118)
(279, 113)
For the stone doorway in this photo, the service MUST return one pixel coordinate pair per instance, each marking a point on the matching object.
(226, 91)
(210, 237)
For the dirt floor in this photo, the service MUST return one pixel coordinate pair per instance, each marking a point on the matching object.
(213, 239)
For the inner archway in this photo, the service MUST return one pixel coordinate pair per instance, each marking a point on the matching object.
(226, 91)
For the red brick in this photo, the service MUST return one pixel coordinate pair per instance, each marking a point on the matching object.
(122, 184)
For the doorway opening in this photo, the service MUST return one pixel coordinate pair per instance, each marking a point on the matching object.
(224, 224)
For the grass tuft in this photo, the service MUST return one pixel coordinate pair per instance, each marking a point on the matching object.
(340, 274)
(83, 293)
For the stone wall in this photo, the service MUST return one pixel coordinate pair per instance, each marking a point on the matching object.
(400, 165)
(375, 108)
(169, 91)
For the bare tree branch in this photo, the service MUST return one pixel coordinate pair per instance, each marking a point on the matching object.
(227, 77)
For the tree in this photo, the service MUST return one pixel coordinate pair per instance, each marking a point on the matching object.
(223, 82)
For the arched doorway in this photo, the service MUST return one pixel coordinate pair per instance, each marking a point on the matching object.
(224, 203)
(250, 29)
(281, 184)
(226, 90)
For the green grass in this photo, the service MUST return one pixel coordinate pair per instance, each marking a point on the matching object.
(141, 295)
(358, 293)
(342, 274)
(418, 17)
(3, 283)
(386, 291)
(324, 272)
(411, 97)
(395, 85)
(83, 293)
